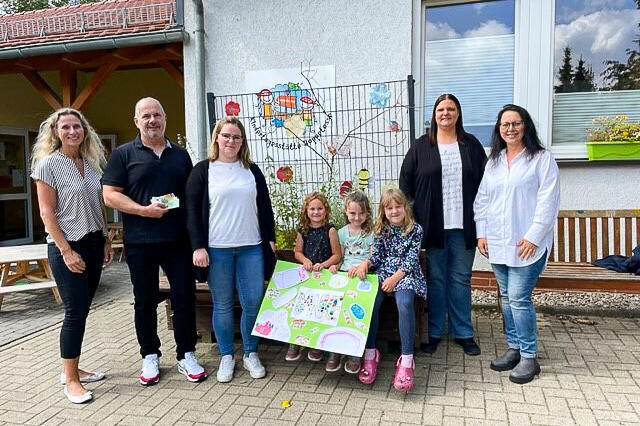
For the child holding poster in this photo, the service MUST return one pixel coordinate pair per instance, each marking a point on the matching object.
(395, 253)
(356, 240)
(317, 248)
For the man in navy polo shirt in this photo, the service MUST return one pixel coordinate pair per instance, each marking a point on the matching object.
(155, 236)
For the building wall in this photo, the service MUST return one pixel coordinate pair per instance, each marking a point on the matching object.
(110, 111)
(369, 40)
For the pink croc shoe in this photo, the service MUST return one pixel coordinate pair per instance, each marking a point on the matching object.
(369, 369)
(403, 380)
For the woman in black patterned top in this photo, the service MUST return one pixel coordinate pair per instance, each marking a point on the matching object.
(66, 164)
(317, 248)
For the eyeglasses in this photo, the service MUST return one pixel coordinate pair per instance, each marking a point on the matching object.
(227, 136)
(514, 124)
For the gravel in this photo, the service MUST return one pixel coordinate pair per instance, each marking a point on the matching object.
(592, 303)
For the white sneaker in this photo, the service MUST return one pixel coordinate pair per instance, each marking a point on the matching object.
(252, 364)
(191, 369)
(225, 369)
(150, 373)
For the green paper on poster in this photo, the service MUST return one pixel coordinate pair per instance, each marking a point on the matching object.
(317, 309)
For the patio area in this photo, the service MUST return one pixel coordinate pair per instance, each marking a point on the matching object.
(590, 375)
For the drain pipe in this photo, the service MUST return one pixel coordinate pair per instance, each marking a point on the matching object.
(200, 95)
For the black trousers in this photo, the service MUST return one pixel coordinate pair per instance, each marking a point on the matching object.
(144, 261)
(77, 290)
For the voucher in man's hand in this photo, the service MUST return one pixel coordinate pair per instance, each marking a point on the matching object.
(169, 200)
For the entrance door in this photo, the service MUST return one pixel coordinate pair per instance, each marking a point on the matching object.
(15, 191)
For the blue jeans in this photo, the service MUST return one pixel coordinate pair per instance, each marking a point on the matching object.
(239, 268)
(516, 286)
(449, 286)
(406, 320)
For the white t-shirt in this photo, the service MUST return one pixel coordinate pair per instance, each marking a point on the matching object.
(451, 185)
(233, 212)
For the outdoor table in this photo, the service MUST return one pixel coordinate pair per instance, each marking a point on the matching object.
(22, 257)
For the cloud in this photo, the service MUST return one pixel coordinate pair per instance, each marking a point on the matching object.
(479, 6)
(440, 31)
(488, 28)
(569, 10)
(598, 36)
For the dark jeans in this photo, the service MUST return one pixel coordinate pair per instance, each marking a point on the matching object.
(449, 286)
(77, 290)
(406, 320)
(144, 261)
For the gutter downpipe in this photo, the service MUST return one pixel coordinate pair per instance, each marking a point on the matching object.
(201, 115)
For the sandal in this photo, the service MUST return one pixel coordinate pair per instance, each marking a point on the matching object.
(352, 366)
(369, 369)
(403, 380)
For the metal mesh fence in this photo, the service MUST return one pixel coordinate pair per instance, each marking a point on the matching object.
(329, 139)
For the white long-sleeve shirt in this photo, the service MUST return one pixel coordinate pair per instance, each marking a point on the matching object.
(517, 201)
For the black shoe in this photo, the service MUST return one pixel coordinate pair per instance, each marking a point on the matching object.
(525, 371)
(506, 361)
(468, 346)
(430, 347)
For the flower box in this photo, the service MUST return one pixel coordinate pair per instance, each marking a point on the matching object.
(613, 150)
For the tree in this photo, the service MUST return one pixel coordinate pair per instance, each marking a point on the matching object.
(565, 73)
(14, 6)
(624, 75)
(583, 78)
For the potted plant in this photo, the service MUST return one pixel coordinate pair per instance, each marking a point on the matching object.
(613, 138)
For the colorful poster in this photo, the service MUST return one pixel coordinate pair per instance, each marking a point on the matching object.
(317, 309)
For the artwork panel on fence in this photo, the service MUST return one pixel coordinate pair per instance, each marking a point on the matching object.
(318, 310)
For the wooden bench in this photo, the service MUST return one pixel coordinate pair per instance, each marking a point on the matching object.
(388, 324)
(582, 236)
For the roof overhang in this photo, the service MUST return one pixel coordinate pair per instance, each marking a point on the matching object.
(171, 35)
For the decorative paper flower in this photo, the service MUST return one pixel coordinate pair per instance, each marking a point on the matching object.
(393, 126)
(284, 174)
(339, 145)
(345, 188)
(232, 108)
(379, 95)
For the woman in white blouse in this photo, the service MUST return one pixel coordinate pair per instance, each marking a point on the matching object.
(66, 164)
(515, 211)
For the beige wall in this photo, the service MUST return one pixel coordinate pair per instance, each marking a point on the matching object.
(110, 111)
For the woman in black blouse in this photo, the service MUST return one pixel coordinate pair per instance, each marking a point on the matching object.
(440, 174)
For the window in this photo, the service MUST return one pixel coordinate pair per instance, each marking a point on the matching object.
(469, 52)
(596, 65)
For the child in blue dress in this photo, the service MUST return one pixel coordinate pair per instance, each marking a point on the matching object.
(395, 256)
(356, 240)
(317, 248)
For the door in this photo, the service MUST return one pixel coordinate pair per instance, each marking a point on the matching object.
(15, 191)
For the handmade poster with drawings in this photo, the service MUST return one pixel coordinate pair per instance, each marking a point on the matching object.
(322, 310)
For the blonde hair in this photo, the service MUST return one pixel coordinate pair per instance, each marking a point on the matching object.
(91, 148)
(361, 199)
(389, 195)
(214, 150)
(305, 223)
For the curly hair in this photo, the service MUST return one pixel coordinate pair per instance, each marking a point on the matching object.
(382, 223)
(305, 223)
(214, 150)
(91, 148)
(361, 199)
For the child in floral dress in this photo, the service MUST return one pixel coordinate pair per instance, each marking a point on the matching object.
(395, 256)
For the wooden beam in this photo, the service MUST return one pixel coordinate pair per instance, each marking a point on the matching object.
(43, 88)
(92, 87)
(173, 71)
(69, 83)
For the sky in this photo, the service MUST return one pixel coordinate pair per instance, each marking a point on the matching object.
(599, 30)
